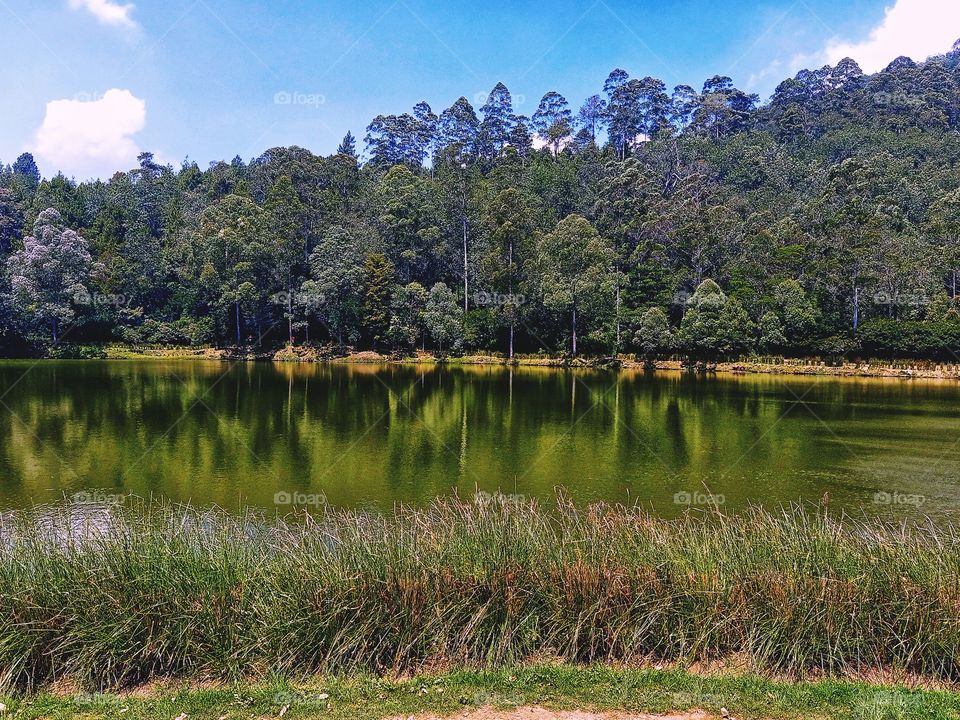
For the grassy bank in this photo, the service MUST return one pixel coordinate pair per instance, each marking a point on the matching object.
(765, 365)
(112, 597)
(559, 687)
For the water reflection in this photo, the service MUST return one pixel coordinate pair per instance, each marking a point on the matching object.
(212, 433)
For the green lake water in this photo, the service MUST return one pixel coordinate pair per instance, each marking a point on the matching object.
(271, 436)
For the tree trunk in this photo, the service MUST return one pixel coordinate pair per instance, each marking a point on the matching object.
(466, 288)
(574, 325)
(856, 308)
(290, 316)
(513, 308)
(616, 344)
(54, 327)
(237, 306)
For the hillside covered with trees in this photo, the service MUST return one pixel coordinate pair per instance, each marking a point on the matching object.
(825, 221)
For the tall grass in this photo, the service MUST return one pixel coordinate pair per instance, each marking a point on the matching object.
(110, 597)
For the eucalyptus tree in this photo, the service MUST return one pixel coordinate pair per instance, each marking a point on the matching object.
(497, 123)
(715, 325)
(443, 317)
(458, 127)
(943, 227)
(285, 224)
(553, 120)
(510, 223)
(408, 303)
(653, 337)
(591, 114)
(576, 270)
(228, 252)
(621, 111)
(333, 293)
(409, 221)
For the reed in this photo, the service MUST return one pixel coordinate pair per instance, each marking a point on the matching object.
(114, 596)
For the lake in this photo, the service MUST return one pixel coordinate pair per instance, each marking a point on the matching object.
(275, 436)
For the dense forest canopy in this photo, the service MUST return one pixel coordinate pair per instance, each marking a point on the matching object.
(826, 221)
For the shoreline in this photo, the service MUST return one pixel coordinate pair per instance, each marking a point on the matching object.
(876, 368)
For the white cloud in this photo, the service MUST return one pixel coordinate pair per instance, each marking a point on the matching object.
(915, 28)
(108, 12)
(91, 138)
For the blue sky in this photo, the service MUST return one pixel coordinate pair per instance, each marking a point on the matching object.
(93, 82)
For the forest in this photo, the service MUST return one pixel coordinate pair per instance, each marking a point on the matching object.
(824, 221)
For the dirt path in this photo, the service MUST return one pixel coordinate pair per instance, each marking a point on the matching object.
(536, 713)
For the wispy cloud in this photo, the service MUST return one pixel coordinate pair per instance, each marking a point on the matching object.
(108, 12)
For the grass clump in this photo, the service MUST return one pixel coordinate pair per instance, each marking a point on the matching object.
(115, 596)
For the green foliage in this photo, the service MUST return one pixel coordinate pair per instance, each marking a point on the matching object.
(771, 333)
(902, 339)
(834, 205)
(182, 331)
(576, 270)
(654, 336)
(408, 304)
(334, 292)
(714, 325)
(378, 275)
(943, 307)
(796, 313)
(443, 318)
(49, 277)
